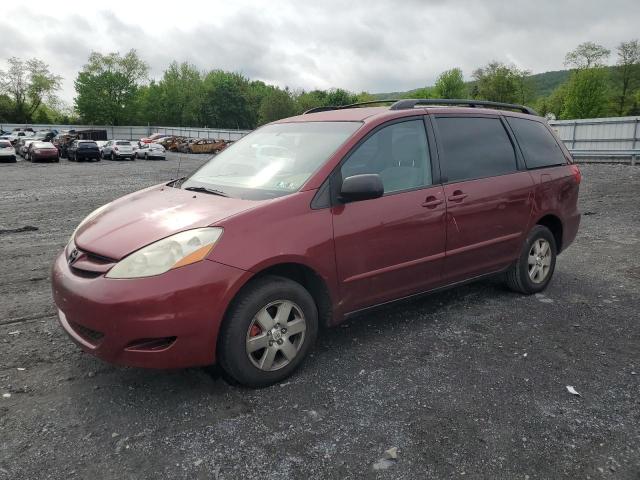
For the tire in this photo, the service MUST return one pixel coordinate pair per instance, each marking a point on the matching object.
(527, 278)
(267, 296)
(113, 157)
(146, 156)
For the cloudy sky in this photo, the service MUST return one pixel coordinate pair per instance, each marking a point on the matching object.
(371, 45)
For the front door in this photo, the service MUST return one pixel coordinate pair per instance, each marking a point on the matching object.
(392, 246)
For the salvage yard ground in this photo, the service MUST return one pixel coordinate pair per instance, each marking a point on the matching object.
(472, 381)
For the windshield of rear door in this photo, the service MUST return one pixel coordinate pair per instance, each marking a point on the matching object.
(273, 161)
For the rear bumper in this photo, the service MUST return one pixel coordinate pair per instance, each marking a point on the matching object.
(89, 154)
(37, 158)
(168, 321)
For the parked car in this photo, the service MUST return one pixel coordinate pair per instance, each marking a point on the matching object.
(80, 150)
(27, 144)
(151, 138)
(22, 145)
(150, 151)
(118, 149)
(101, 144)
(7, 152)
(42, 151)
(310, 220)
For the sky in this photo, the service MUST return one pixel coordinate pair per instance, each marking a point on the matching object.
(375, 46)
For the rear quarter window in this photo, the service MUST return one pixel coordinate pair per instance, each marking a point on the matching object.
(539, 147)
(474, 147)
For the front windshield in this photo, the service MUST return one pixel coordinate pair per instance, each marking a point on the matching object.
(273, 161)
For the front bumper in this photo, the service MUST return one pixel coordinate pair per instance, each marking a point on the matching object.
(167, 321)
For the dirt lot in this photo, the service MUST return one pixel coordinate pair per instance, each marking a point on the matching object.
(470, 382)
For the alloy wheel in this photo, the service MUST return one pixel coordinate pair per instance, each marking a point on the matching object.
(539, 260)
(275, 335)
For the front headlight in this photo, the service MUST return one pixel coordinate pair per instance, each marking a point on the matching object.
(178, 250)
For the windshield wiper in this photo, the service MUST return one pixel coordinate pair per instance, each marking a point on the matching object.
(212, 191)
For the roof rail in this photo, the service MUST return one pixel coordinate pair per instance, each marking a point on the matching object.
(340, 107)
(411, 103)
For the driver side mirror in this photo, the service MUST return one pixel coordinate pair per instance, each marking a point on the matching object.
(361, 187)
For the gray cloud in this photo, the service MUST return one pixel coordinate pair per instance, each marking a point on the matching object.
(374, 45)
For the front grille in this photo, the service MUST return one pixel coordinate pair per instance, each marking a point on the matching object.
(91, 265)
(91, 336)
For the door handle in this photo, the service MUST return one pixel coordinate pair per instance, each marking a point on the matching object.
(432, 202)
(457, 196)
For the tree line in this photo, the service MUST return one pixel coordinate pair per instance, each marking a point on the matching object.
(115, 89)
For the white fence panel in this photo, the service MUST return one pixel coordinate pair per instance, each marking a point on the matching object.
(593, 134)
(137, 132)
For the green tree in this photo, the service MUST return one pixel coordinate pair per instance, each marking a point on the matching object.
(497, 82)
(276, 104)
(180, 95)
(312, 99)
(587, 55)
(424, 92)
(553, 103)
(338, 96)
(28, 83)
(107, 87)
(226, 99)
(628, 73)
(586, 94)
(450, 84)
(7, 108)
(324, 98)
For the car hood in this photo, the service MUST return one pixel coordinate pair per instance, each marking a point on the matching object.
(136, 220)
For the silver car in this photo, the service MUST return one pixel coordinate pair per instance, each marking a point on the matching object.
(118, 149)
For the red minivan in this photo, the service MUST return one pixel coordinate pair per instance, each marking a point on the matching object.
(309, 220)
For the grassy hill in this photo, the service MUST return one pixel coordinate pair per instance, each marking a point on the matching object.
(543, 84)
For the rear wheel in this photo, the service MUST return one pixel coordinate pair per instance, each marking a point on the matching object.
(113, 156)
(534, 268)
(269, 329)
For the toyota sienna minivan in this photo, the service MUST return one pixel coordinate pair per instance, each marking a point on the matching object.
(309, 220)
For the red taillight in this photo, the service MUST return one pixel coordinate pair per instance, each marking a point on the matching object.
(576, 173)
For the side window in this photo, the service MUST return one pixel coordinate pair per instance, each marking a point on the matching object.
(398, 153)
(474, 147)
(538, 145)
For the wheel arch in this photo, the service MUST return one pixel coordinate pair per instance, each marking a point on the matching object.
(554, 224)
(300, 273)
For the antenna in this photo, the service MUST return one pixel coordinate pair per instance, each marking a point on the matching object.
(179, 164)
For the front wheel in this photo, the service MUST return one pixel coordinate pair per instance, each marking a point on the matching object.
(534, 268)
(268, 331)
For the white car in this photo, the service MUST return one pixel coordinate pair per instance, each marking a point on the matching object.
(7, 152)
(151, 150)
(101, 144)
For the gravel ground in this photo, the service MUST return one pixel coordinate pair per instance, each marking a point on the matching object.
(470, 382)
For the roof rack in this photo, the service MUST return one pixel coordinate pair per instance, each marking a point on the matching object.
(341, 107)
(411, 103)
